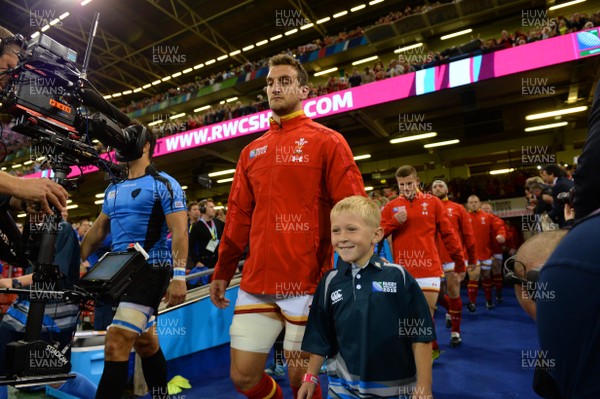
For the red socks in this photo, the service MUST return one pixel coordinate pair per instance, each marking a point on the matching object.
(434, 344)
(498, 282)
(444, 301)
(267, 388)
(455, 313)
(487, 288)
(472, 290)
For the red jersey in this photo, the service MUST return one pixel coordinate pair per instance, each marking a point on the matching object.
(496, 246)
(414, 241)
(284, 187)
(459, 217)
(486, 227)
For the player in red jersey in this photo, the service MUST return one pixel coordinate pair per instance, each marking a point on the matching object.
(414, 219)
(462, 226)
(487, 229)
(497, 252)
(285, 184)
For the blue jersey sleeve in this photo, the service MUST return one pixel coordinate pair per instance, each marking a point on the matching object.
(173, 201)
(109, 194)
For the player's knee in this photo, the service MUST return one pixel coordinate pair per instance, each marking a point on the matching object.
(453, 285)
(147, 344)
(245, 378)
(294, 333)
(118, 344)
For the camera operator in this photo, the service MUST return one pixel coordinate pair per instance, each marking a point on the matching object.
(555, 176)
(542, 195)
(139, 210)
(42, 192)
(587, 198)
(523, 271)
(60, 320)
(568, 327)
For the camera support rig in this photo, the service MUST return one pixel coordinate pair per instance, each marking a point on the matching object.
(47, 93)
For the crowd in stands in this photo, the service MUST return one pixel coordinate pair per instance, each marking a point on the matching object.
(198, 83)
(248, 67)
(378, 71)
(13, 141)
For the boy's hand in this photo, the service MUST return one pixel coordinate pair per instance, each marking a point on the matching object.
(307, 390)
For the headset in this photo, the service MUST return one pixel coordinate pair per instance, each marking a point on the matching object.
(17, 39)
(137, 137)
(202, 205)
(531, 276)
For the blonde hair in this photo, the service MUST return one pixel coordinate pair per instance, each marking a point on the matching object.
(363, 207)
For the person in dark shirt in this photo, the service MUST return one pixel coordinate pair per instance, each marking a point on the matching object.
(587, 189)
(355, 79)
(369, 318)
(555, 176)
(205, 236)
(568, 317)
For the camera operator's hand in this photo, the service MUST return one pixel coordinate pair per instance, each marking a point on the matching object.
(176, 293)
(41, 192)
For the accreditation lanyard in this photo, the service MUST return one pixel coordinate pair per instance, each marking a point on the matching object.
(212, 228)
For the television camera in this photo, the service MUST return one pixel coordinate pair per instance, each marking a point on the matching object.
(55, 105)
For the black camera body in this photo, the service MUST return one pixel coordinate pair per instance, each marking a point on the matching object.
(45, 87)
(55, 105)
(567, 197)
(51, 101)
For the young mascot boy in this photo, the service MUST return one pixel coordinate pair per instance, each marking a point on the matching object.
(368, 318)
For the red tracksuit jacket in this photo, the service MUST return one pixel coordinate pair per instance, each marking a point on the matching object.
(459, 217)
(486, 227)
(284, 187)
(414, 241)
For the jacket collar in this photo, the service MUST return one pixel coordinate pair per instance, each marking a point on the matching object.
(375, 262)
(289, 120)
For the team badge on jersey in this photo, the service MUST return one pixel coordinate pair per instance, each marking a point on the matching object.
(385, 286)
(111, 194)
(450, 212)
(424, 210)
(300, 145)
(482, 220)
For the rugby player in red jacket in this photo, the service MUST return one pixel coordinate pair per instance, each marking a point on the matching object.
(497, 252)
(487, 229)
(284, 187)
(462, 226)
(414, 219)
